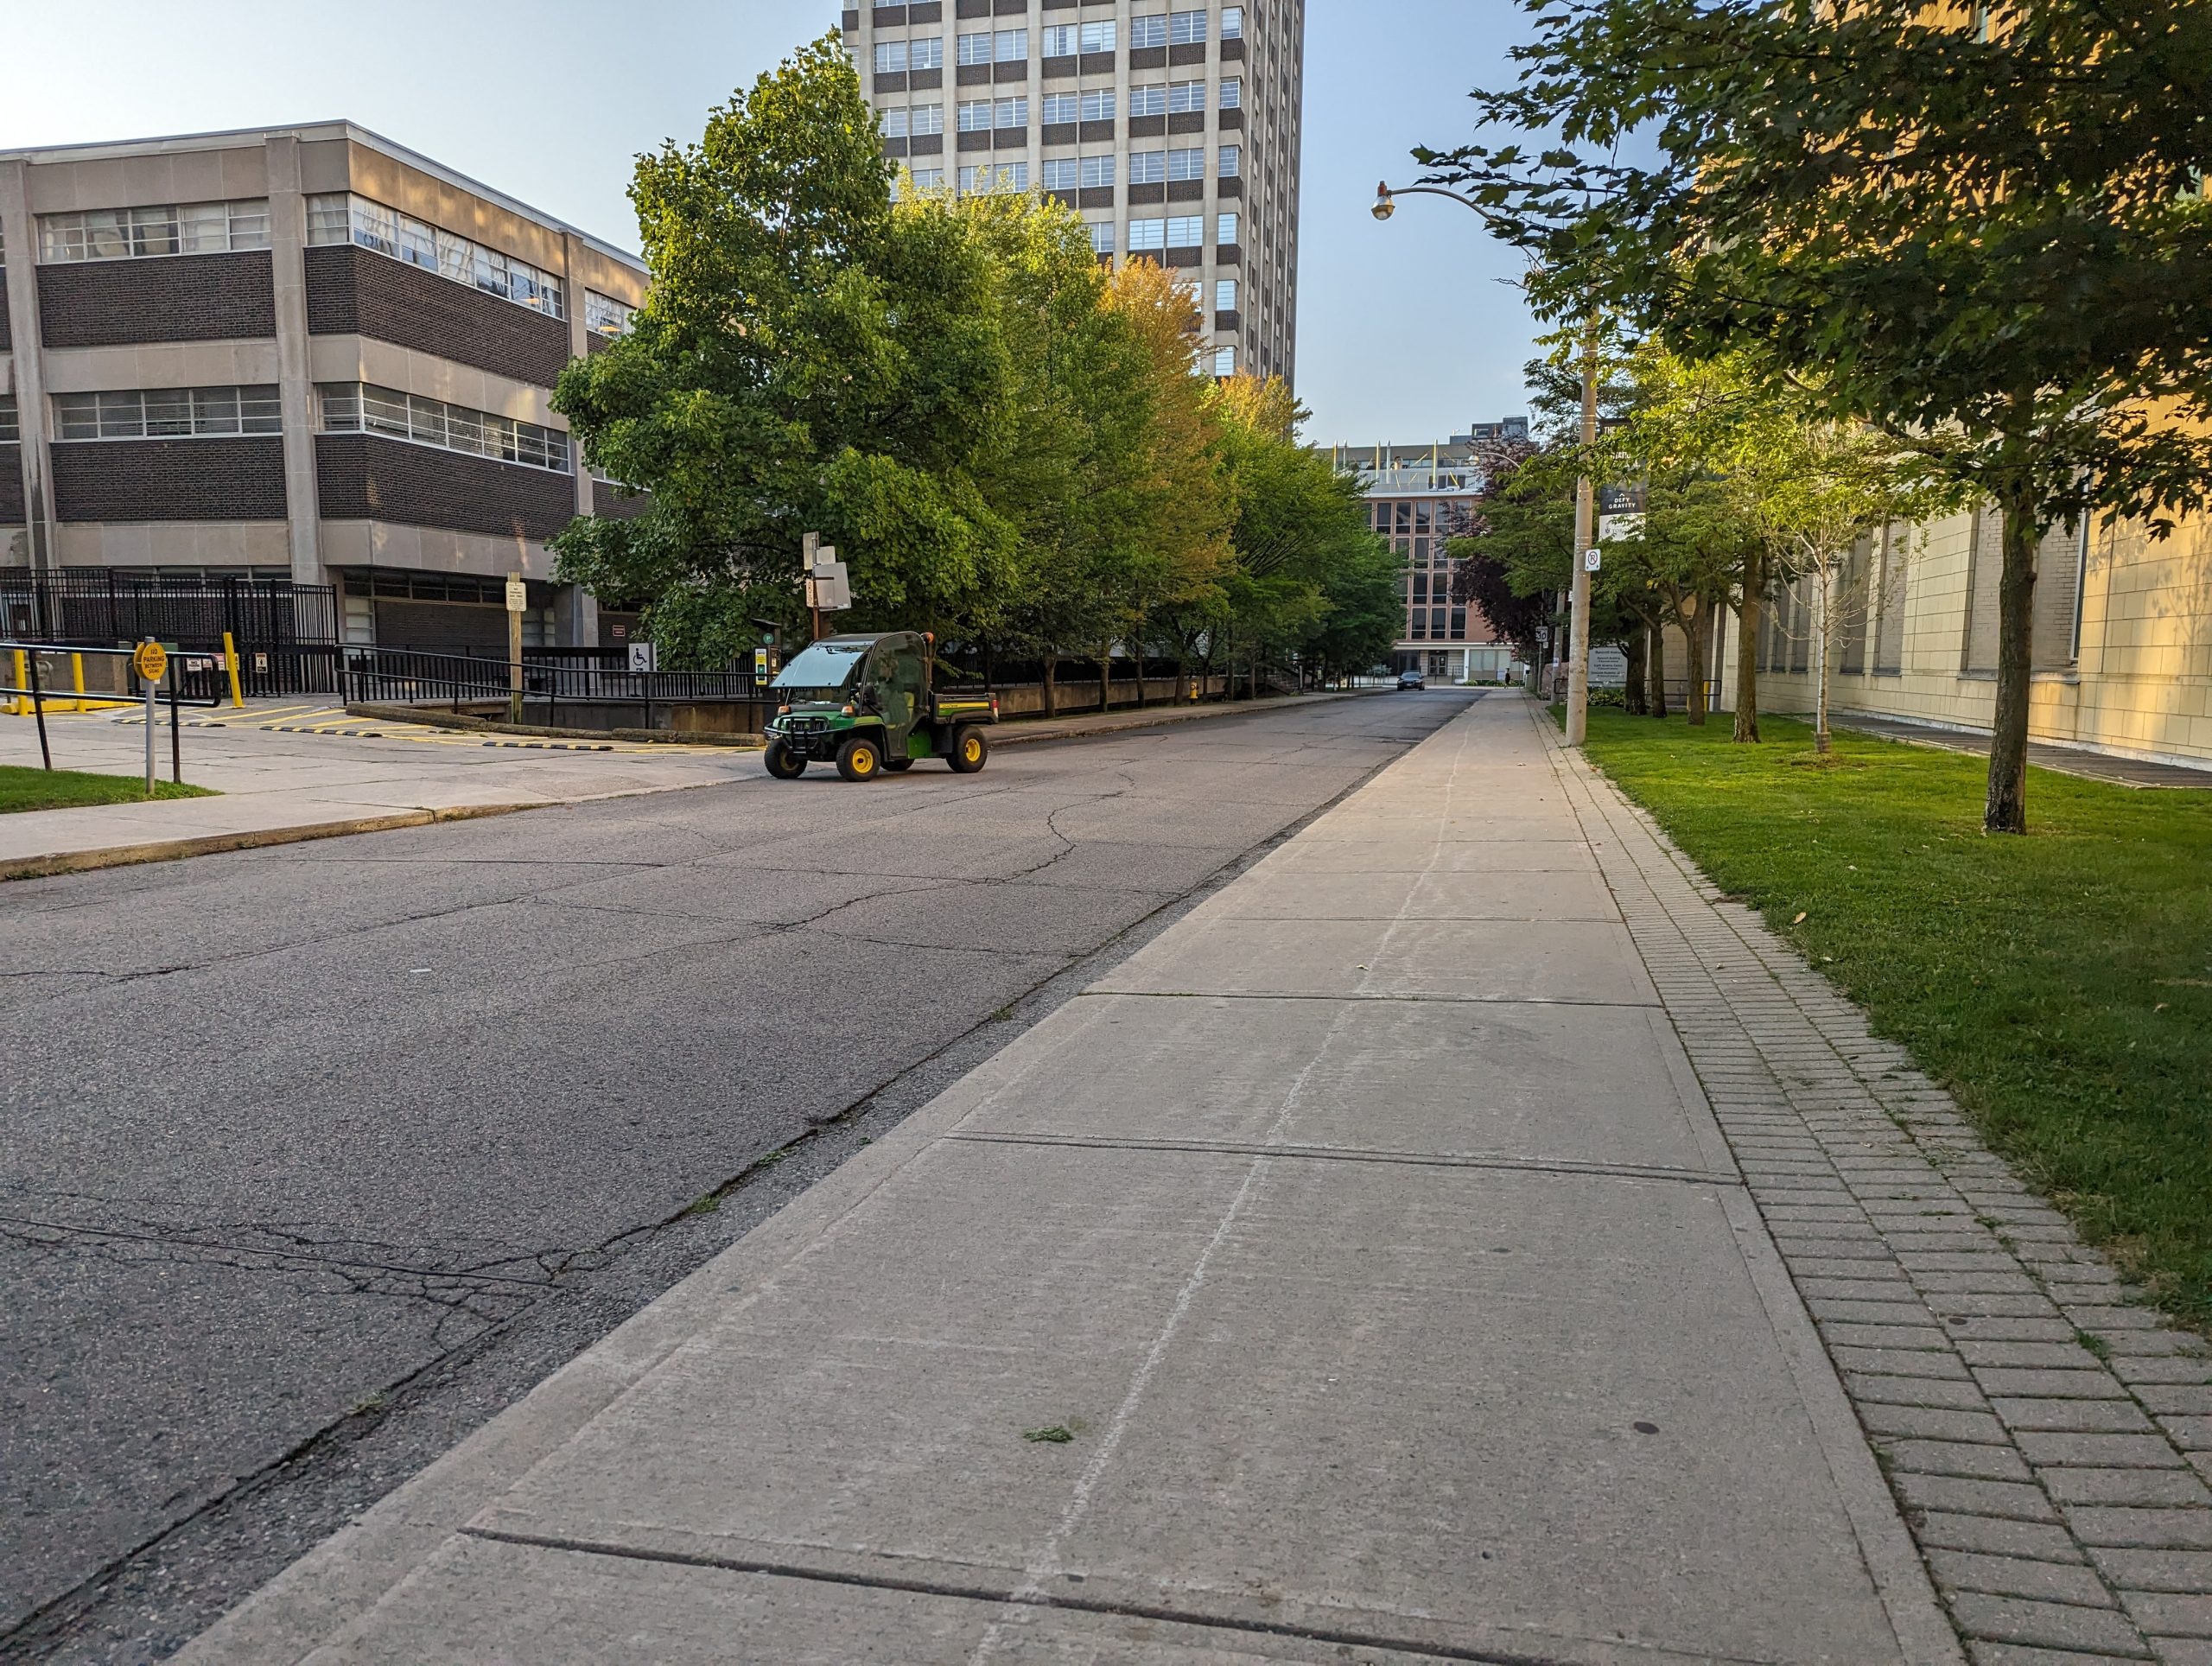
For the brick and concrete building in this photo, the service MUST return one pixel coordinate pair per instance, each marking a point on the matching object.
(1173, 127)
(302, 352)
(1420, 496)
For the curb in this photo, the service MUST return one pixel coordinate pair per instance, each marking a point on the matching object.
(1010, 733)
(462, 723)
(126, 855)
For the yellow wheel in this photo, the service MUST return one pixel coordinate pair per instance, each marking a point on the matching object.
(859, 758)
(969, 750)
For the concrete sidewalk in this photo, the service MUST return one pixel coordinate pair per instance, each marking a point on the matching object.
(1356, 1273)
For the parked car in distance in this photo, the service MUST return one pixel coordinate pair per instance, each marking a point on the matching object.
(1412, 680)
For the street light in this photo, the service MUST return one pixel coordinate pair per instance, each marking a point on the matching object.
(1586, 490)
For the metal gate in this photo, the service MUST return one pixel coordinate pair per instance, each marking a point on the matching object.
(286, 634)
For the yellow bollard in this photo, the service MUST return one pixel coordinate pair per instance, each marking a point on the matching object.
(231, 662)
(77, 681)
(22, 703)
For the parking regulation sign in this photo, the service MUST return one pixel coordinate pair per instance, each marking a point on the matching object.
(151, 662)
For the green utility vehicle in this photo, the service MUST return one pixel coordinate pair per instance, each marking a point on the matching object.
(866, 703)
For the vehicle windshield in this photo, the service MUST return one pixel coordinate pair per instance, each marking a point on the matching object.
(826, 669)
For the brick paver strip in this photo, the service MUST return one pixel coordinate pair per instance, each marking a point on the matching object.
(2049, 1435)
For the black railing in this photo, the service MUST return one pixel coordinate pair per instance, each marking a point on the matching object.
(286, 634)
(404, 677)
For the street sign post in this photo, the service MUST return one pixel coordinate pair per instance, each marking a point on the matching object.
(518, 600)
(151, 661)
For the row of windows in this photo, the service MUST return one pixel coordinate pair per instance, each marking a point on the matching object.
(192, 228)
(1436, 624)
(1011, 45)
(9, 429)
(342, 217)
(1164, 99)
(604, 315)
(165, 413)
(351, 409)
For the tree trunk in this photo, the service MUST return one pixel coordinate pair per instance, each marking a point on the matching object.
(1638, 696)
(1823, 660)
(1698, 627)
(2006, 810)
(1655, 669)
(1051, 687)
(1747, 651)
(1106, 677)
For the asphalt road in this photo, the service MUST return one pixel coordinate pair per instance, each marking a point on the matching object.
(312, 1158)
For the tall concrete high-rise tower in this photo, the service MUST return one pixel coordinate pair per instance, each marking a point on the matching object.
(1174, 128)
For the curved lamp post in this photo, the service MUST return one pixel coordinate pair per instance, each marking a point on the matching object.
(1585, 491)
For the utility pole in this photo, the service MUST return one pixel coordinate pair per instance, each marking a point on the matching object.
(1585, 540)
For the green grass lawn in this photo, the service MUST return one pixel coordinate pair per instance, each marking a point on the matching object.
(2060, 984)
(64, 789)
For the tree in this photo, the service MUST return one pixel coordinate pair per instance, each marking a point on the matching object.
(811, 357)
(1990, 236)
(1824, 486)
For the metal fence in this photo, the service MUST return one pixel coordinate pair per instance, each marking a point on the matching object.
(404, 677)
(286, 634)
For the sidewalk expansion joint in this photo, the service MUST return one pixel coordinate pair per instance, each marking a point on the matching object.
(1010, 1594)
(1355, 1155)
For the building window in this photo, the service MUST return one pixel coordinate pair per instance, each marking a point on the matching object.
(1232, 23)
(9, 429)
(1147, 234)
(926, 54)
(1232, 161)
(894, 123)
(1232, 93)
(1098, 172)
(1185, 96)
(1224, 361)
(1148, 101)
(1098, 106)
(1185, 230)
(926, 179)
(166, 413)
(973, 49)
(1012, 112)
(890, 57)
(1148, 167)
(988, 177)
(1225, 228)
(1102, 237)
(1186, 29)
(1010, 45)
(1061, 174)
(924, 119)
(1061, 109)
(348, 408)
(343, 219)
(1148, 31)
(976, 117)
(194, 228)
(1059, 41)
(1098, 37)
(1186, 165)
(1224, 295)
(604, 315)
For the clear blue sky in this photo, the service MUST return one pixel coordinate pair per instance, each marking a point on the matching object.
(1403, 332)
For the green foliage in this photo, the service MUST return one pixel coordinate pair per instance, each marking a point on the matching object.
(2060, 984)
(1008, 445)
(1981, 229)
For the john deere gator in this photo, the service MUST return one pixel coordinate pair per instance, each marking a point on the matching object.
(867, 704)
